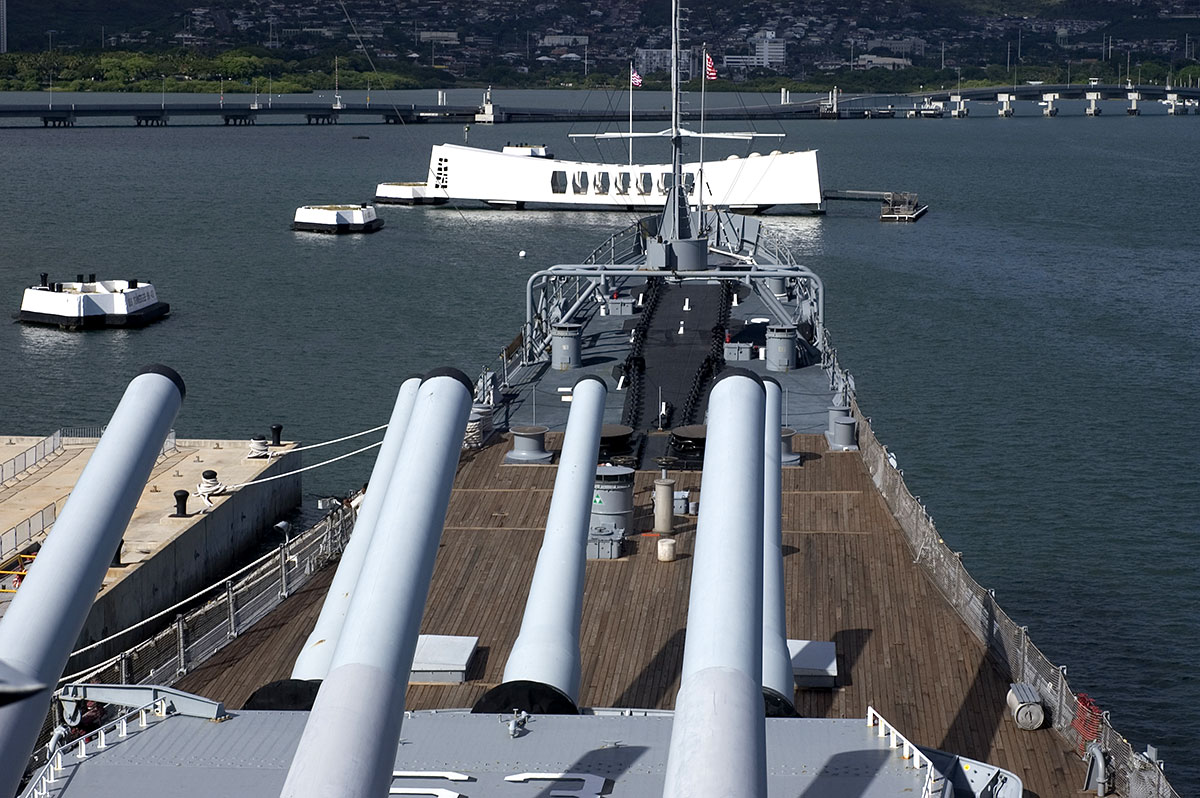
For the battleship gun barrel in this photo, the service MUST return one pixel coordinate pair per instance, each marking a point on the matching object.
(542, 672)
(718, 737)
(348, 747)
(47, 614)
(313, 660)
(778, 682)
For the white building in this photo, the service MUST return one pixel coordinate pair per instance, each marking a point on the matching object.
(558, 40)
(646, 61)
(768, 50)
(439, 36)
(881, 62)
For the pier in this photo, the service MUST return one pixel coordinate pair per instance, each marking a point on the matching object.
(164, 557)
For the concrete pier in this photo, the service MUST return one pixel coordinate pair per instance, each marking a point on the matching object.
(164, 558)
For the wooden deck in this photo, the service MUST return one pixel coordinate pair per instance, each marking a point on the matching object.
(849, 578)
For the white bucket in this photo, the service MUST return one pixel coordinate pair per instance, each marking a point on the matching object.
(666, 549)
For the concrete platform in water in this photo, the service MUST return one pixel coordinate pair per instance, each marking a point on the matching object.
(164, 558)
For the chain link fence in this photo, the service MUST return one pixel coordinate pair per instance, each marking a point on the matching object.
(1075, 717)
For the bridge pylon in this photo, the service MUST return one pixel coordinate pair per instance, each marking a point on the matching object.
(1006, 101)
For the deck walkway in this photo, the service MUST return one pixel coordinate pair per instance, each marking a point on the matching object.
(849, 578)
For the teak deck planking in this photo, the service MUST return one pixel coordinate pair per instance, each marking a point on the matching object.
(849, 578)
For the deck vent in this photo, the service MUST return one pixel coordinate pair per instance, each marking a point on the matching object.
(781, 348)
(564, 352)
(612, 499)
(786, 455)
(529, 446)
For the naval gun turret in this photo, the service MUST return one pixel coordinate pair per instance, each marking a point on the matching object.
(44, 620)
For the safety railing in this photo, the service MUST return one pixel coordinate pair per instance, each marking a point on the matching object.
(88, 434)
(1073, 716)
(14, 540)
(933, 781)
(106, 735)
(30, 457)
(222, 611)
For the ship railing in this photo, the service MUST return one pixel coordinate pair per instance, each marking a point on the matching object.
(121, 728)
(220, 612)
(935, 783)
(1073, 716)
(14, 540)
(46, 447)
(621, 247)
(182, 637)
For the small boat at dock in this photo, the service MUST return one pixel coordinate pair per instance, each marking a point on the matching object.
(337, 219)
(91, 304)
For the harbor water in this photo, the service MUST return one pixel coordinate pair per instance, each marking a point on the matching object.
(1029, 350)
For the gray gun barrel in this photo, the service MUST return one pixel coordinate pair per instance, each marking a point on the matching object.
(348, 747)
(779, 690)
(313, 661)
(47, 614)
(542, 672)
(718, 737)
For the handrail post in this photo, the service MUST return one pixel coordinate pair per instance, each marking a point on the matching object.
(231, 605)
(283, 583)
(180, 645)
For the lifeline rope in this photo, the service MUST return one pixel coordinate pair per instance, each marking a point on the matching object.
(327, 443)
(301, 470)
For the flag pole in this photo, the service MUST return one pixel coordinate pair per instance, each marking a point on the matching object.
(631, 113)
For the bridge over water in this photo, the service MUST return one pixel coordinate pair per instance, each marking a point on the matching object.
(237, 113)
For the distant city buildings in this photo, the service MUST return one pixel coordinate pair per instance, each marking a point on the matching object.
(647, 60)
(767, 51)
(557, 40)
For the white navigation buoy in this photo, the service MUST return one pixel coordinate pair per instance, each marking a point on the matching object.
(521, 254)
(680, 329)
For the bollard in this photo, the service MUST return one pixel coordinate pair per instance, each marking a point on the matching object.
(181, 497)
(276, 434)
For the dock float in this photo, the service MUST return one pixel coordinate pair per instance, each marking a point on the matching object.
(894, 206)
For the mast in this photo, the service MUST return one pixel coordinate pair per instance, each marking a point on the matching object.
(676, 138)
(700, 170)
(631, 113)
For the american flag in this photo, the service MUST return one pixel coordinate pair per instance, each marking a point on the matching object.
(710, 70)
(635, 79)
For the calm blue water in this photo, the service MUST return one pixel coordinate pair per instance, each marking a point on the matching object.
(1029, 350)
